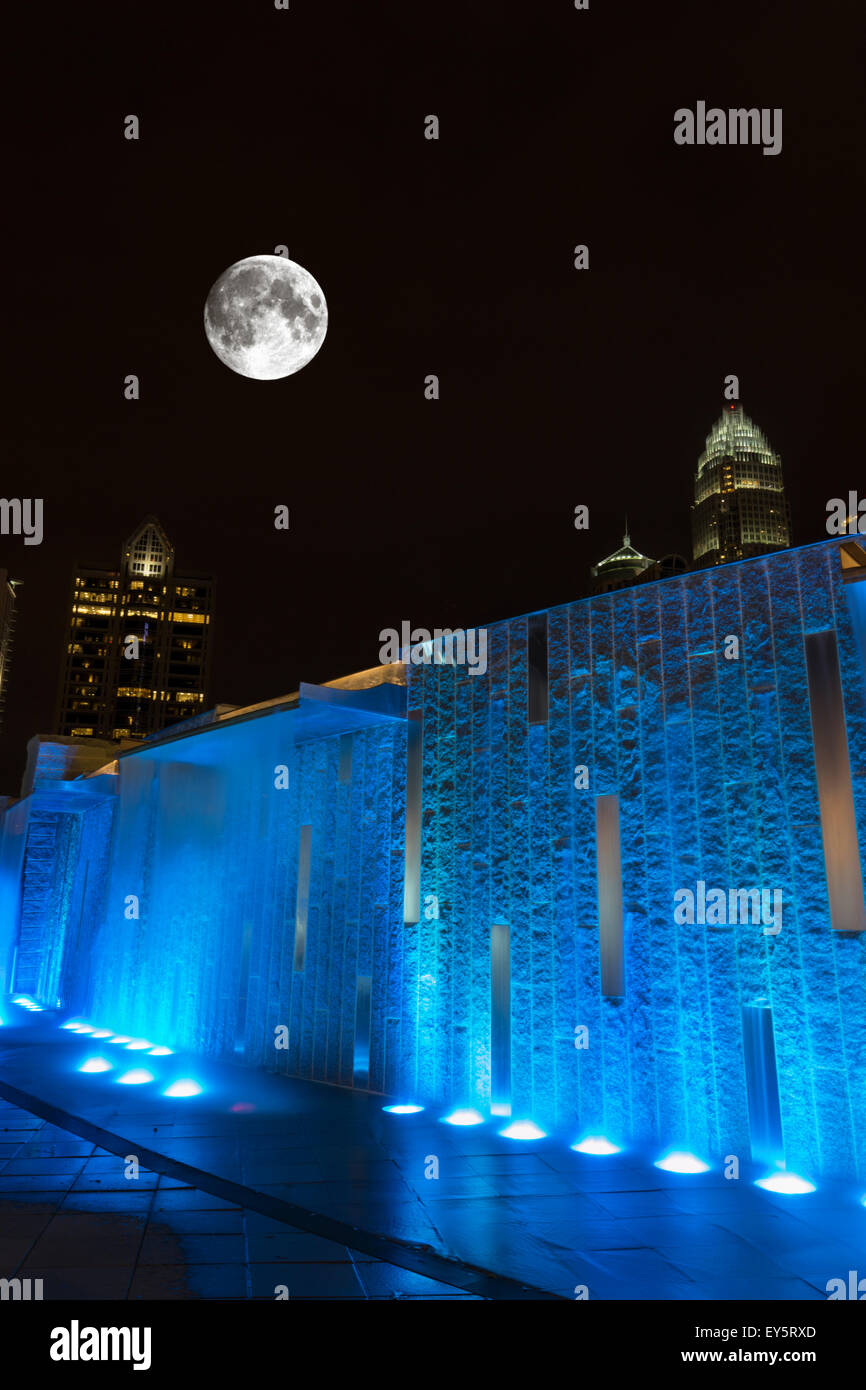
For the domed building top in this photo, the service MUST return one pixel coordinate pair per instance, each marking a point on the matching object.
(623, 567)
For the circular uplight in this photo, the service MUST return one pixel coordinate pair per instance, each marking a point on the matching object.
(135, 1078)
(102, 1033)
(596, 1144)
(680, 1162)
(139, 1045)
(183, 1088)
(120, 1039)
(402, 1109)
(787, 1183)
(522, 1129)
(463, 1117)
(160, 1052)
(95, 1064)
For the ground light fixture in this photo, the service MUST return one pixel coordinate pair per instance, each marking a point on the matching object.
(596, 1144)
(789, 1184)
(522, 1129)
(463, 1117)
(402, 1109)
(137, 1077)
(96, 1064)
(680, 1161)
(184, 1087)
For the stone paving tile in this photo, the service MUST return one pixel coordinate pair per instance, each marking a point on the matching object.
(106, 1239)
(540, 1213)
(14, 1249)
(213, 1223)
(41, 1166)
(706, 1258)
(748, 1289)
(81, 1281)
(109, 1200)
(36, 1182)
(307, 1280)
(25, 1220)
(444, 1186)
(113, 1182)
(295, 1247)
(508, 1163)
(161, 1247)
(389, 1281)
(189, 1282)
(56, 1148)
(190, 1199)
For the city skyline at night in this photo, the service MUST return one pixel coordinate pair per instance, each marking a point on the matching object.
(433, 674)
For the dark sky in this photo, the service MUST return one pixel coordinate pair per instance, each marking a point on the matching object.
(558, 387)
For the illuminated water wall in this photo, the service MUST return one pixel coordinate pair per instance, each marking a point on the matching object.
(466, 893)
(703, 746)
(197, 944)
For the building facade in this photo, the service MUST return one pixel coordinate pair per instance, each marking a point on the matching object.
(613, 883)
(740, 508)
(137, 653)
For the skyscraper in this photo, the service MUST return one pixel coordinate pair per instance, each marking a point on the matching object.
(7, 631)
(138, 645)
(740, 508)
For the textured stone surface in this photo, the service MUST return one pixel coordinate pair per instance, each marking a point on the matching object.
(712, 762)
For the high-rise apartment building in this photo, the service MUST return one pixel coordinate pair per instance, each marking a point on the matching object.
(7, 632)
(740, 508)
(138, 643)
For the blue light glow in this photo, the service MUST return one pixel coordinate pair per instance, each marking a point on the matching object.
(402, 1109)
(681, 1162)
(522, 1129)
(95, 1064)
(640, 691)
(789, 1184)
(139, 1045)
(596, 1144)
(183, 1088)
(135, 1078)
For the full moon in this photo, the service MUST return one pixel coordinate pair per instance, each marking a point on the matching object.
(266, 317)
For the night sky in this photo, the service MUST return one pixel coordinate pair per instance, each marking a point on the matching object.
(558, 387)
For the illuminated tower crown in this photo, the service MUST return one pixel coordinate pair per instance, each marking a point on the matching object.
(740, 508)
